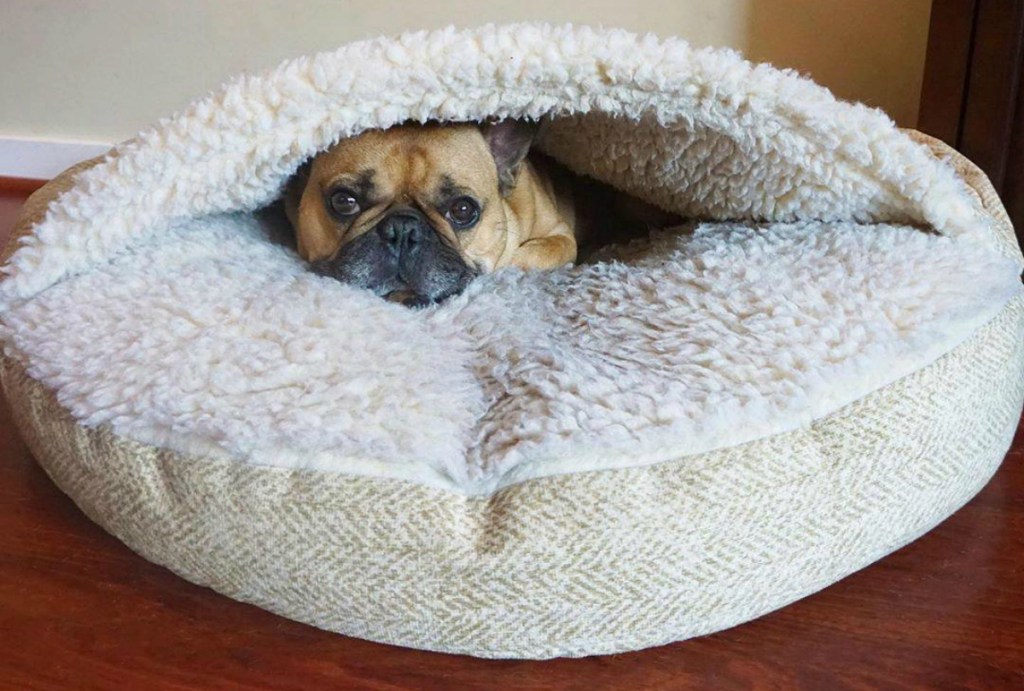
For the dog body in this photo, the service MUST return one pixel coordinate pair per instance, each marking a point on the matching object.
(414, 212)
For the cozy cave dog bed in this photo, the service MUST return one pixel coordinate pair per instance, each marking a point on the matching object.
(700, 428)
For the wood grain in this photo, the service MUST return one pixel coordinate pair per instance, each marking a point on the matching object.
(991, 98)
(1013, 187)
(946, 67)
(79, 610)
(973, 92)
(14, 187)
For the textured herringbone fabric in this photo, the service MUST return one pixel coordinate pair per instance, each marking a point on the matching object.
(574, 564)
(569, 565)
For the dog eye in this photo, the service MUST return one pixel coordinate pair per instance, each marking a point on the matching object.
(344, 203)
(463, 212)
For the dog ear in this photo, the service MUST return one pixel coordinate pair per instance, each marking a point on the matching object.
(509, 141)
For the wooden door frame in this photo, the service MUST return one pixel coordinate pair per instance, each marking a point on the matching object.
(972, 96)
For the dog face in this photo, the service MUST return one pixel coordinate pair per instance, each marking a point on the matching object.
(412, 213)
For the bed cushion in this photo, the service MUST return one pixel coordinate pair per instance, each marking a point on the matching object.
(696, 428)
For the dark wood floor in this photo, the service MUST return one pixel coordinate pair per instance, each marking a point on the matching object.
(79, 610)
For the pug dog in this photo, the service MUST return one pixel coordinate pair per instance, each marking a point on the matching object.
(415, 212)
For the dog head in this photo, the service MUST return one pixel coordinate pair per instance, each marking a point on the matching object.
(412, 213)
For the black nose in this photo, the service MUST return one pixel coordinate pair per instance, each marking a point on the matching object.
(403, 232)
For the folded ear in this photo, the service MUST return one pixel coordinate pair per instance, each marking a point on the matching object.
(509, 141)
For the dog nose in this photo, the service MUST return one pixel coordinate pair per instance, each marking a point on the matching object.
(402, 232)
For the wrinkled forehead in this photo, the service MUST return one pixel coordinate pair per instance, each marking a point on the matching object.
(410, 158)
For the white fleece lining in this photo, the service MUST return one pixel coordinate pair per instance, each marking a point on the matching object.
(149, 309)
(717, 137)
(212, 338)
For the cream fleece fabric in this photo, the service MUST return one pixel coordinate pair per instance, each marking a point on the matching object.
(718, 137)
(150, 299)
(213, 338)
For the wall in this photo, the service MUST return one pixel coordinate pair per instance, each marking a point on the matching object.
(101, 70)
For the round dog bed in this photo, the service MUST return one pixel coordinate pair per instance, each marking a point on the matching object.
(697, 428)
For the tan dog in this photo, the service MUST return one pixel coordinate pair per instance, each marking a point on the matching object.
(416, 211)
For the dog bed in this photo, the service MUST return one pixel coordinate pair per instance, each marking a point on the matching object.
(693, 430)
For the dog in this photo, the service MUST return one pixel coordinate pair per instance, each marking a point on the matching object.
(415, 212)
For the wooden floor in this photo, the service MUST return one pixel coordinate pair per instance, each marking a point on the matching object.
(79, 610)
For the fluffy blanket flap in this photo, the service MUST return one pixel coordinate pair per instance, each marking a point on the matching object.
(151, 299)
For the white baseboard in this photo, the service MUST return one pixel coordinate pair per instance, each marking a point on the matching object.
(42, 159)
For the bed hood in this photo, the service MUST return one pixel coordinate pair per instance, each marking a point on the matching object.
(699, 132)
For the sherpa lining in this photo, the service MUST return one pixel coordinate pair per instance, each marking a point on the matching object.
(700, 132)
(149, 309)
(213, 339)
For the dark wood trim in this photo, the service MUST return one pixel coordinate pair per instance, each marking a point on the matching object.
(950, 34)
(20, 185)
(971, 96)
(1013, 185)
(990, 103)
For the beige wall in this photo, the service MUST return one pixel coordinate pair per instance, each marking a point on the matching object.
(101, 70)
